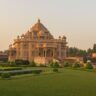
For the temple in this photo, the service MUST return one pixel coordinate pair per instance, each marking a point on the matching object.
(38, 45)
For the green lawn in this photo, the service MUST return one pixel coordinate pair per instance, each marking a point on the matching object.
(66, 83)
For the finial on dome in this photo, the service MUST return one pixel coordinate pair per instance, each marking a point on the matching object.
(38, 20)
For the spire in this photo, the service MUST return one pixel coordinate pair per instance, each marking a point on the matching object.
(38, 20)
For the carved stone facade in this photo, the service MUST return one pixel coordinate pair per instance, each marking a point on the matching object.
(38, 45)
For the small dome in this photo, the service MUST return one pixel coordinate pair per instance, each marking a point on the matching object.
(64, 37)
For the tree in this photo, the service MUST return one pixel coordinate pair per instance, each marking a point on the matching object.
(94, 48)
(89, 51)
(73, 51)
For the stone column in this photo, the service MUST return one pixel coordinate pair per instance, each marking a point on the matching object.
(53, 52)
(10, 55)
(59, 50)
(17, 51)
(30, 52)
(45, 55)
(65, 52)
(21, 50)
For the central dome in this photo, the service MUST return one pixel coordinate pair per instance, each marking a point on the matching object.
(40, 31)
(38, 27)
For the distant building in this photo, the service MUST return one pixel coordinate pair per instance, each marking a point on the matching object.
(72, 60)
(3, 56)
(38, 45)
(93, 55)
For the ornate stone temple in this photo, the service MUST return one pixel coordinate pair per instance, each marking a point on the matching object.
(38, 45)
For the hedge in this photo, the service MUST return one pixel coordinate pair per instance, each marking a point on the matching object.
(10, 68)
(20, 72)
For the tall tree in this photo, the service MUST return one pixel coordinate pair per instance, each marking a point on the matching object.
(94, 48)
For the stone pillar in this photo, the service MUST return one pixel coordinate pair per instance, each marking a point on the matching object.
(45, 55)
(53, 52)
(37, 52)
(59, 50)
(65, 52)
(17, 51)
(30, 52)
(21, 50)
(45, 52)
(10, 55)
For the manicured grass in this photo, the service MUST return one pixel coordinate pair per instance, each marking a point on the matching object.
(67, 82)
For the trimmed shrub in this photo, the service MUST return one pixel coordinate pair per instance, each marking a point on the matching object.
(33, 64)
(21, 62)
(54, 64)
(10, 68)
(51, 64)
(36, 71)
(66, 64)
(6, 75)
(26, 62)
(12, 64)
(42, 65)
(76, 65)
(89, 66)
(20, 72)
(55, 70)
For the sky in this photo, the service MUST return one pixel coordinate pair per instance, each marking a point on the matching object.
(76, 19)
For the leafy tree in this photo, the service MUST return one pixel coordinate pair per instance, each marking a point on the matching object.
(89, 51)
(94, 48)
(73, 51)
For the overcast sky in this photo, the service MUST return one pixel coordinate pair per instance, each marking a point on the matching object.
(76, 19)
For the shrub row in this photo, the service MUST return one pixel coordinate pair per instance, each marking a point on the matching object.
(20, 72)
(10, 68)
(6, 75)
(78, 65)
(55, 70)
(54, 65)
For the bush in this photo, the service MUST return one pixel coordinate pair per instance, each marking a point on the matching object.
(66, 64)
(89, 66)
(21, 62)
(55, 70)
(10, 68)
(54, 64)
(76, 65)
(36, 71)
(33, 64)
(42, 65)
(6, 75)
(20, 72)
(12, 64)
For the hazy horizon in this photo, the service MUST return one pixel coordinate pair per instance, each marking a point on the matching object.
(76, 19)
